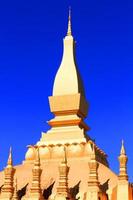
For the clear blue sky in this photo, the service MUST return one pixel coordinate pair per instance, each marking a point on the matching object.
(31, 34)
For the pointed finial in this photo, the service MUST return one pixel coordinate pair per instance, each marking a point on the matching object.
(9, 162)
(93, 148)
(15, 184)
(15, 194)
(65, 157)
(122, 152)
(38, 156)
(69, 31)
(93, 155)
(123, 163)
(37, 160)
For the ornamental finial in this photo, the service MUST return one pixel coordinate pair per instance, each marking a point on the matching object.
(9, 162)
(123, 152)
(69, 31)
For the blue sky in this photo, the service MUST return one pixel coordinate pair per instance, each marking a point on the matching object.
(31, 34)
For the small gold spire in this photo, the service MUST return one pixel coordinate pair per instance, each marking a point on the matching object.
(93, 182)
(37, 161)
(93, 153)
(123, 163)
(15, 185)
(62, 188)
(93, 166)
(15, 194)
(69, 31)
(10, 162)
(8, 189)
(35, 189)
(93, 148)
(65, 156)
(123, 152)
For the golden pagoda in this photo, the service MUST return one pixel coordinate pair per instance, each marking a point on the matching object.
(65, 163)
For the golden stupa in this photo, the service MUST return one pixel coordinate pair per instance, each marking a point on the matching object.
(66, 163)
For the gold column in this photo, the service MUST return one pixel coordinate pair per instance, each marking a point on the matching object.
(93, 183)
(123, 163)
(15, 194)
(62, 189)
(8, 189)
(123, 185)
(35, 190)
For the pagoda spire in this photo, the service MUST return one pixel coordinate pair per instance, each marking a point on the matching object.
(10, 162)
(69, 30)
(68, 102)
(93, 182)
(68, 66)
(123, 151)
(62, 189)
(15, 194)
(35, 190)
(123, 163)
(8, 189)
(93, 166)
(123, 185)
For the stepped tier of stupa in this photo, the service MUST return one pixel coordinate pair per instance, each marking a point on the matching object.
(66, 163)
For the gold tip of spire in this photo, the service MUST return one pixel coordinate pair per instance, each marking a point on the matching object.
(38, 155)
(15, 184)
(69, 30)
(15, 194)
(64, 160)
(9, 162)
(93, 155)
(65, 156)
(123, 152)
(37, 160)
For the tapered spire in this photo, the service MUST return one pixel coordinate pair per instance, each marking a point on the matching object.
(15, 194)
(69, 30)
(10, 162)
(123, 163)
(93, 166)
(37, 161)
(93, 182)
(65, 156)
(68, 102)
(35, 190)
(68, 66)
(8, 189)
(122, 152)
(123, 184)
(62, 189)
